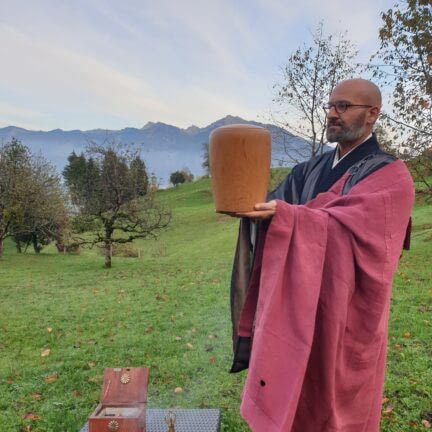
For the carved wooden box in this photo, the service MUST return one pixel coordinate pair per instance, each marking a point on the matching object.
(122, 406)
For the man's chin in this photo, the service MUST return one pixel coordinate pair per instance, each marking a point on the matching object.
(333, 133)
(332, 138)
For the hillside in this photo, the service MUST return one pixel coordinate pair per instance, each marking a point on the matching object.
(169, 310)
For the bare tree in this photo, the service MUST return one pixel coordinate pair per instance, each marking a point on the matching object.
(309, 76)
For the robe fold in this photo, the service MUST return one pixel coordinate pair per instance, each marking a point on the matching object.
(317, 306)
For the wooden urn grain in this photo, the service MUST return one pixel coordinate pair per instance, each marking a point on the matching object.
(239, 157)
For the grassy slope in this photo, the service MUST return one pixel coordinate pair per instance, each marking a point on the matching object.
(135, 313)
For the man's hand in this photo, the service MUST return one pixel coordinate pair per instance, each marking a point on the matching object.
(261, 211)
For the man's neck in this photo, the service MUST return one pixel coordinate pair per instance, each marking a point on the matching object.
(344, 148)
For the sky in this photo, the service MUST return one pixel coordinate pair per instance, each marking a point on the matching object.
(109, 64)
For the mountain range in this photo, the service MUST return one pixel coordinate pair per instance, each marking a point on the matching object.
(165, 148)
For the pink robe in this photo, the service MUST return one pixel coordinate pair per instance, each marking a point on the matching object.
(317, 307)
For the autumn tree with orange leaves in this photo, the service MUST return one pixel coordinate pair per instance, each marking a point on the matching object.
(404, 62)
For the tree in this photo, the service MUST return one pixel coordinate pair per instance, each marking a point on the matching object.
(45, 216)
(14, 184)
(206, 158)
(187, 174)
(113, 197)
(139, 176)
(177, 177)
(32, 208)
(406, 56)
(309, 77)
(183, 176)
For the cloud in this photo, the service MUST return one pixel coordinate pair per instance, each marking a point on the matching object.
(75, 82)
(57, 76)
(104, 63)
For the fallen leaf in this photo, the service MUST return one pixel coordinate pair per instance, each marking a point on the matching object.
(397, 346)
(93, 379)
(178, 338)
(407, 335)
(178, 390)
(212, 360)
(45, 353)
(51, 378)
(193, 330)
(76, 393)
(27, 428)
(91, 363)
(426, 424)
(10, 381)
(189, 345)
(388, 411)
(36, 395)
(211, 337)
(31, 416)
(149, 329)
(49, 329)
(384, 400)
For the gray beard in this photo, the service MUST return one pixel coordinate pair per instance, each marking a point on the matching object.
(345, 134)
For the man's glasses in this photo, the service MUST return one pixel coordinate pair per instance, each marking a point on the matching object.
(341, 107)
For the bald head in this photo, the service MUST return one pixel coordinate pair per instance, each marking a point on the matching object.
(362, 90)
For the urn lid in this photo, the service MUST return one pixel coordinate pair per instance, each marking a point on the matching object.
(124, 385)
(242, 129)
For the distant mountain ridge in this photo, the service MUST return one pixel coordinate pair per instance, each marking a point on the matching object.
(166, 148)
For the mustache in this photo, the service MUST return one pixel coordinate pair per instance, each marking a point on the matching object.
(334, 122)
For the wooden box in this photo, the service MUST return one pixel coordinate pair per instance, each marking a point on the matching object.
(122, 406)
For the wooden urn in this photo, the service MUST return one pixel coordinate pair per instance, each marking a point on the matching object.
(240, 158)
(122, 406)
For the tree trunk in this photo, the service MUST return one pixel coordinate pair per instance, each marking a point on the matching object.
(18, 246)
(36, 248)
(108, 254)
(108, 244)
(1, 246)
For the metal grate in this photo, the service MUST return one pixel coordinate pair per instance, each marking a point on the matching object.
(187, 420)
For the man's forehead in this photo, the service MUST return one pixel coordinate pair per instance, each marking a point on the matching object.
(346, 92)
(356, 91)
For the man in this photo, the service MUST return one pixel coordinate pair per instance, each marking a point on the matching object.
(316, 302)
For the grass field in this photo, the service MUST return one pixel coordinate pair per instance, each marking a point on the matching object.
(64, 318)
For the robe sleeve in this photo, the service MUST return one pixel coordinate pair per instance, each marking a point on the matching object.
(289, 190)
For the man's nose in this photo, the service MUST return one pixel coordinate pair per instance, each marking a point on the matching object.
(332, 112)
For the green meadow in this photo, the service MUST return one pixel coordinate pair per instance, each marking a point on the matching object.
(64, 318)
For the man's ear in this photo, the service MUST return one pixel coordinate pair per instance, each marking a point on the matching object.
(373, 115)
